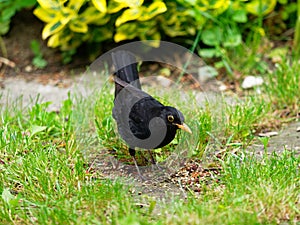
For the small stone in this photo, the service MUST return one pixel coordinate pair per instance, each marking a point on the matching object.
(163, 81)
(268, 134)
(28, 68)
(252, 81)
(298, 129)
(276, 59)
(223, 87)
(206, 73)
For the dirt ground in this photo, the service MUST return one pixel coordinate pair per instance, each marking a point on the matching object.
(21, 77)
(25, 27)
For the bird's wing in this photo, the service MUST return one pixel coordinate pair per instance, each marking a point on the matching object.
(125, 100)
(141, 114)
(133, 110)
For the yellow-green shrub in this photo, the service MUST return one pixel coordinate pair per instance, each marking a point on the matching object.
(70, 23)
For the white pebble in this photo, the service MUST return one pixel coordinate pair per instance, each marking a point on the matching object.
(268, 134)
(252, 81)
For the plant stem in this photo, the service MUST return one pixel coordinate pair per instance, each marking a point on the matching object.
(190, 55)
(297, 32)
(4, 52)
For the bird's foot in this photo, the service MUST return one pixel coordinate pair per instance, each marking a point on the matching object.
(156, 166)
(138, 169)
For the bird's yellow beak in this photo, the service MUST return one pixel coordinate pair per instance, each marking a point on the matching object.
(184, 127)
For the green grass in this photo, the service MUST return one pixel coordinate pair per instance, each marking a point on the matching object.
(283, 87)
(46, 176)
(251, 191)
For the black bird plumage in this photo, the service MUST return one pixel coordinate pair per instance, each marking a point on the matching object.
(142, 121)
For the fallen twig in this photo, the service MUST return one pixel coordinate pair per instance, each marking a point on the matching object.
(7, 62)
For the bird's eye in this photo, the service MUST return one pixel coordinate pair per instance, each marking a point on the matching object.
(170, 118)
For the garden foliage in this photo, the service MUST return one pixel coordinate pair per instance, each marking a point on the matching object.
(8, 8)
(222, 23)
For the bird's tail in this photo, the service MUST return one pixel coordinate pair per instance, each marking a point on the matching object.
(126, 69)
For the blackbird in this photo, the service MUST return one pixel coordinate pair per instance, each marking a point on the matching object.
(142, 121)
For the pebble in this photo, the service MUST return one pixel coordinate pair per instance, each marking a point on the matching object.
(28, 69)
(298, 129)
(157, 80)
(206, 73)
(252, 81)
(223, 87)
(268, 134)
(165, 82)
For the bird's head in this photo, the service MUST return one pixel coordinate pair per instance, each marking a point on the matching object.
(174, 118)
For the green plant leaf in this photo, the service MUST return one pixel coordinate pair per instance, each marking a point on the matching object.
(25, 3)
(4, 27)
(232, 40)
(131, 3)
(154, 36)
(190, 2)
(92, 15)
(240, 16)
(67, 56)
(7, 13)
(279, 52)
(76, 4)
(39, 62)
(64, 41)
(54, 40)
(283, 2)
(45, 15)
(154, 9)
(114, 6)
(49, 4)
(258, 7)
(103, 34)
(128, 14)
(36, 129)
(78, 26)
(54, 27)
(216, 7)
(35, 47)
(208, 52)
(100, 5)
(211, 37)
(126, 32)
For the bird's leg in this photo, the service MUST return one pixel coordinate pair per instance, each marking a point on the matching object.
(132, 153)
(146, 160)
(153, 161)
